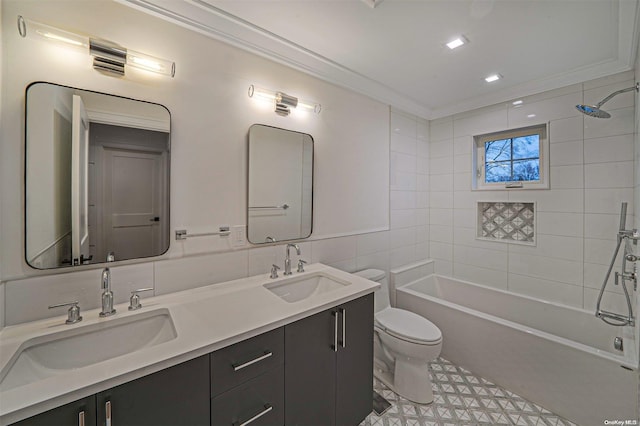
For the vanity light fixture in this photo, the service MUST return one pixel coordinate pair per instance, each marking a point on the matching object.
(459, 41)
(492, 78)
(107, 56)
(282, 102)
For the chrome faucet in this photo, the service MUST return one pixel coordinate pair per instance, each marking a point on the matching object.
(287, 260)
(107, 294)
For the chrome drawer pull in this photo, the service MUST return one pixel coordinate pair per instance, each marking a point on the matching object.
(267, 408)
(81, 418)
(237, 367)
(335, 332)
(344, 327)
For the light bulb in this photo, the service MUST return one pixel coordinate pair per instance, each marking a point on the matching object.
(309, 106)
(37, 30)
(150, 63)
(262, 94)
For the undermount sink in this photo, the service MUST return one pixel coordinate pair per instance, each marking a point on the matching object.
(79, 346)
(297, 289)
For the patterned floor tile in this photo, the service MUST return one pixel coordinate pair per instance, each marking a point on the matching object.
(460, 399)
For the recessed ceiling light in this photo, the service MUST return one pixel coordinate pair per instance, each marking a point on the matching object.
(457, 42)
(531, 115)
(492, 78)
(518, 102)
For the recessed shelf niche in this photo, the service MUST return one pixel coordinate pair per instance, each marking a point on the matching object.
(510, 222)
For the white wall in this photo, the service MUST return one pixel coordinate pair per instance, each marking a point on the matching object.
(637, 205)
(2, 63)
(592, 172)
(211, 115)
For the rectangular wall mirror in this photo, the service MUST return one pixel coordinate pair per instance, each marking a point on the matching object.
(280, 193)
(97, 177)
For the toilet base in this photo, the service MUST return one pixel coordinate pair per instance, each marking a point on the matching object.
(410, 381)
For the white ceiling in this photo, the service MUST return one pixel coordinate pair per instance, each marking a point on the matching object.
(396, 51)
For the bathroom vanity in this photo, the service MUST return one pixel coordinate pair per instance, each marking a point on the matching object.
(259, 351)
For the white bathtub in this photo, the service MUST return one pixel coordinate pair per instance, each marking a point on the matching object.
(554, 355)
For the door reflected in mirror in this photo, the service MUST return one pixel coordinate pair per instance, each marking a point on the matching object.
(280, 193)
(97, 177)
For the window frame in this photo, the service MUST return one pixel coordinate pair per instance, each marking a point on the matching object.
(479, 165)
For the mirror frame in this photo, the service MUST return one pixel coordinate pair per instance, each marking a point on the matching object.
(167, 189)
(312, 183)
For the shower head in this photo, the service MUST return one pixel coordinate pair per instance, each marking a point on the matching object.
(595, 111)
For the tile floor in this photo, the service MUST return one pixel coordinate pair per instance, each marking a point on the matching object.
(461, 398)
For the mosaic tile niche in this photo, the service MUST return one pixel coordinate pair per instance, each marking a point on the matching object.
(506, 222)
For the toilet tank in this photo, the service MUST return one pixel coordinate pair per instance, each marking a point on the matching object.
(381, 295)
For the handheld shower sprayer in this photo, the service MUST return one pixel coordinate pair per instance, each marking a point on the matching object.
(628, 236)
(595, 111)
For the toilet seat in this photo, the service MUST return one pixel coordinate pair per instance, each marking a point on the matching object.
(408, 326)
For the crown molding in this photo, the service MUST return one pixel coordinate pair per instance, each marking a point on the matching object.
(202, 17)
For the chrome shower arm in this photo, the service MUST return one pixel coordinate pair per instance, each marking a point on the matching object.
(602, 102)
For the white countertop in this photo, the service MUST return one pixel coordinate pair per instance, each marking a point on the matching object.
(205, 319)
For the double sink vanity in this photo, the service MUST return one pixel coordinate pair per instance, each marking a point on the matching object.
(259, 350)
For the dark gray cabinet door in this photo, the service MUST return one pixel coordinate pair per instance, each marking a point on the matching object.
(327, 384)
(72, 414)
(176, 396)
(354, 378)
(310, 368)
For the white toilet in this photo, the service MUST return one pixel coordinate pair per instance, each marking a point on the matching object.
(404, 343)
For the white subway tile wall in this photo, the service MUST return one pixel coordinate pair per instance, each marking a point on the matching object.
(409, 204)
(592, 172)
(28, 299)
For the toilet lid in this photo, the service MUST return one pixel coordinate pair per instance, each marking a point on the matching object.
(407, 325)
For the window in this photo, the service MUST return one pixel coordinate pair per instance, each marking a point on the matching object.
(512, 159)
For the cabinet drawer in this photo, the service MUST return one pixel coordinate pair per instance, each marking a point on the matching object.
(245, 360)
(258, 402)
